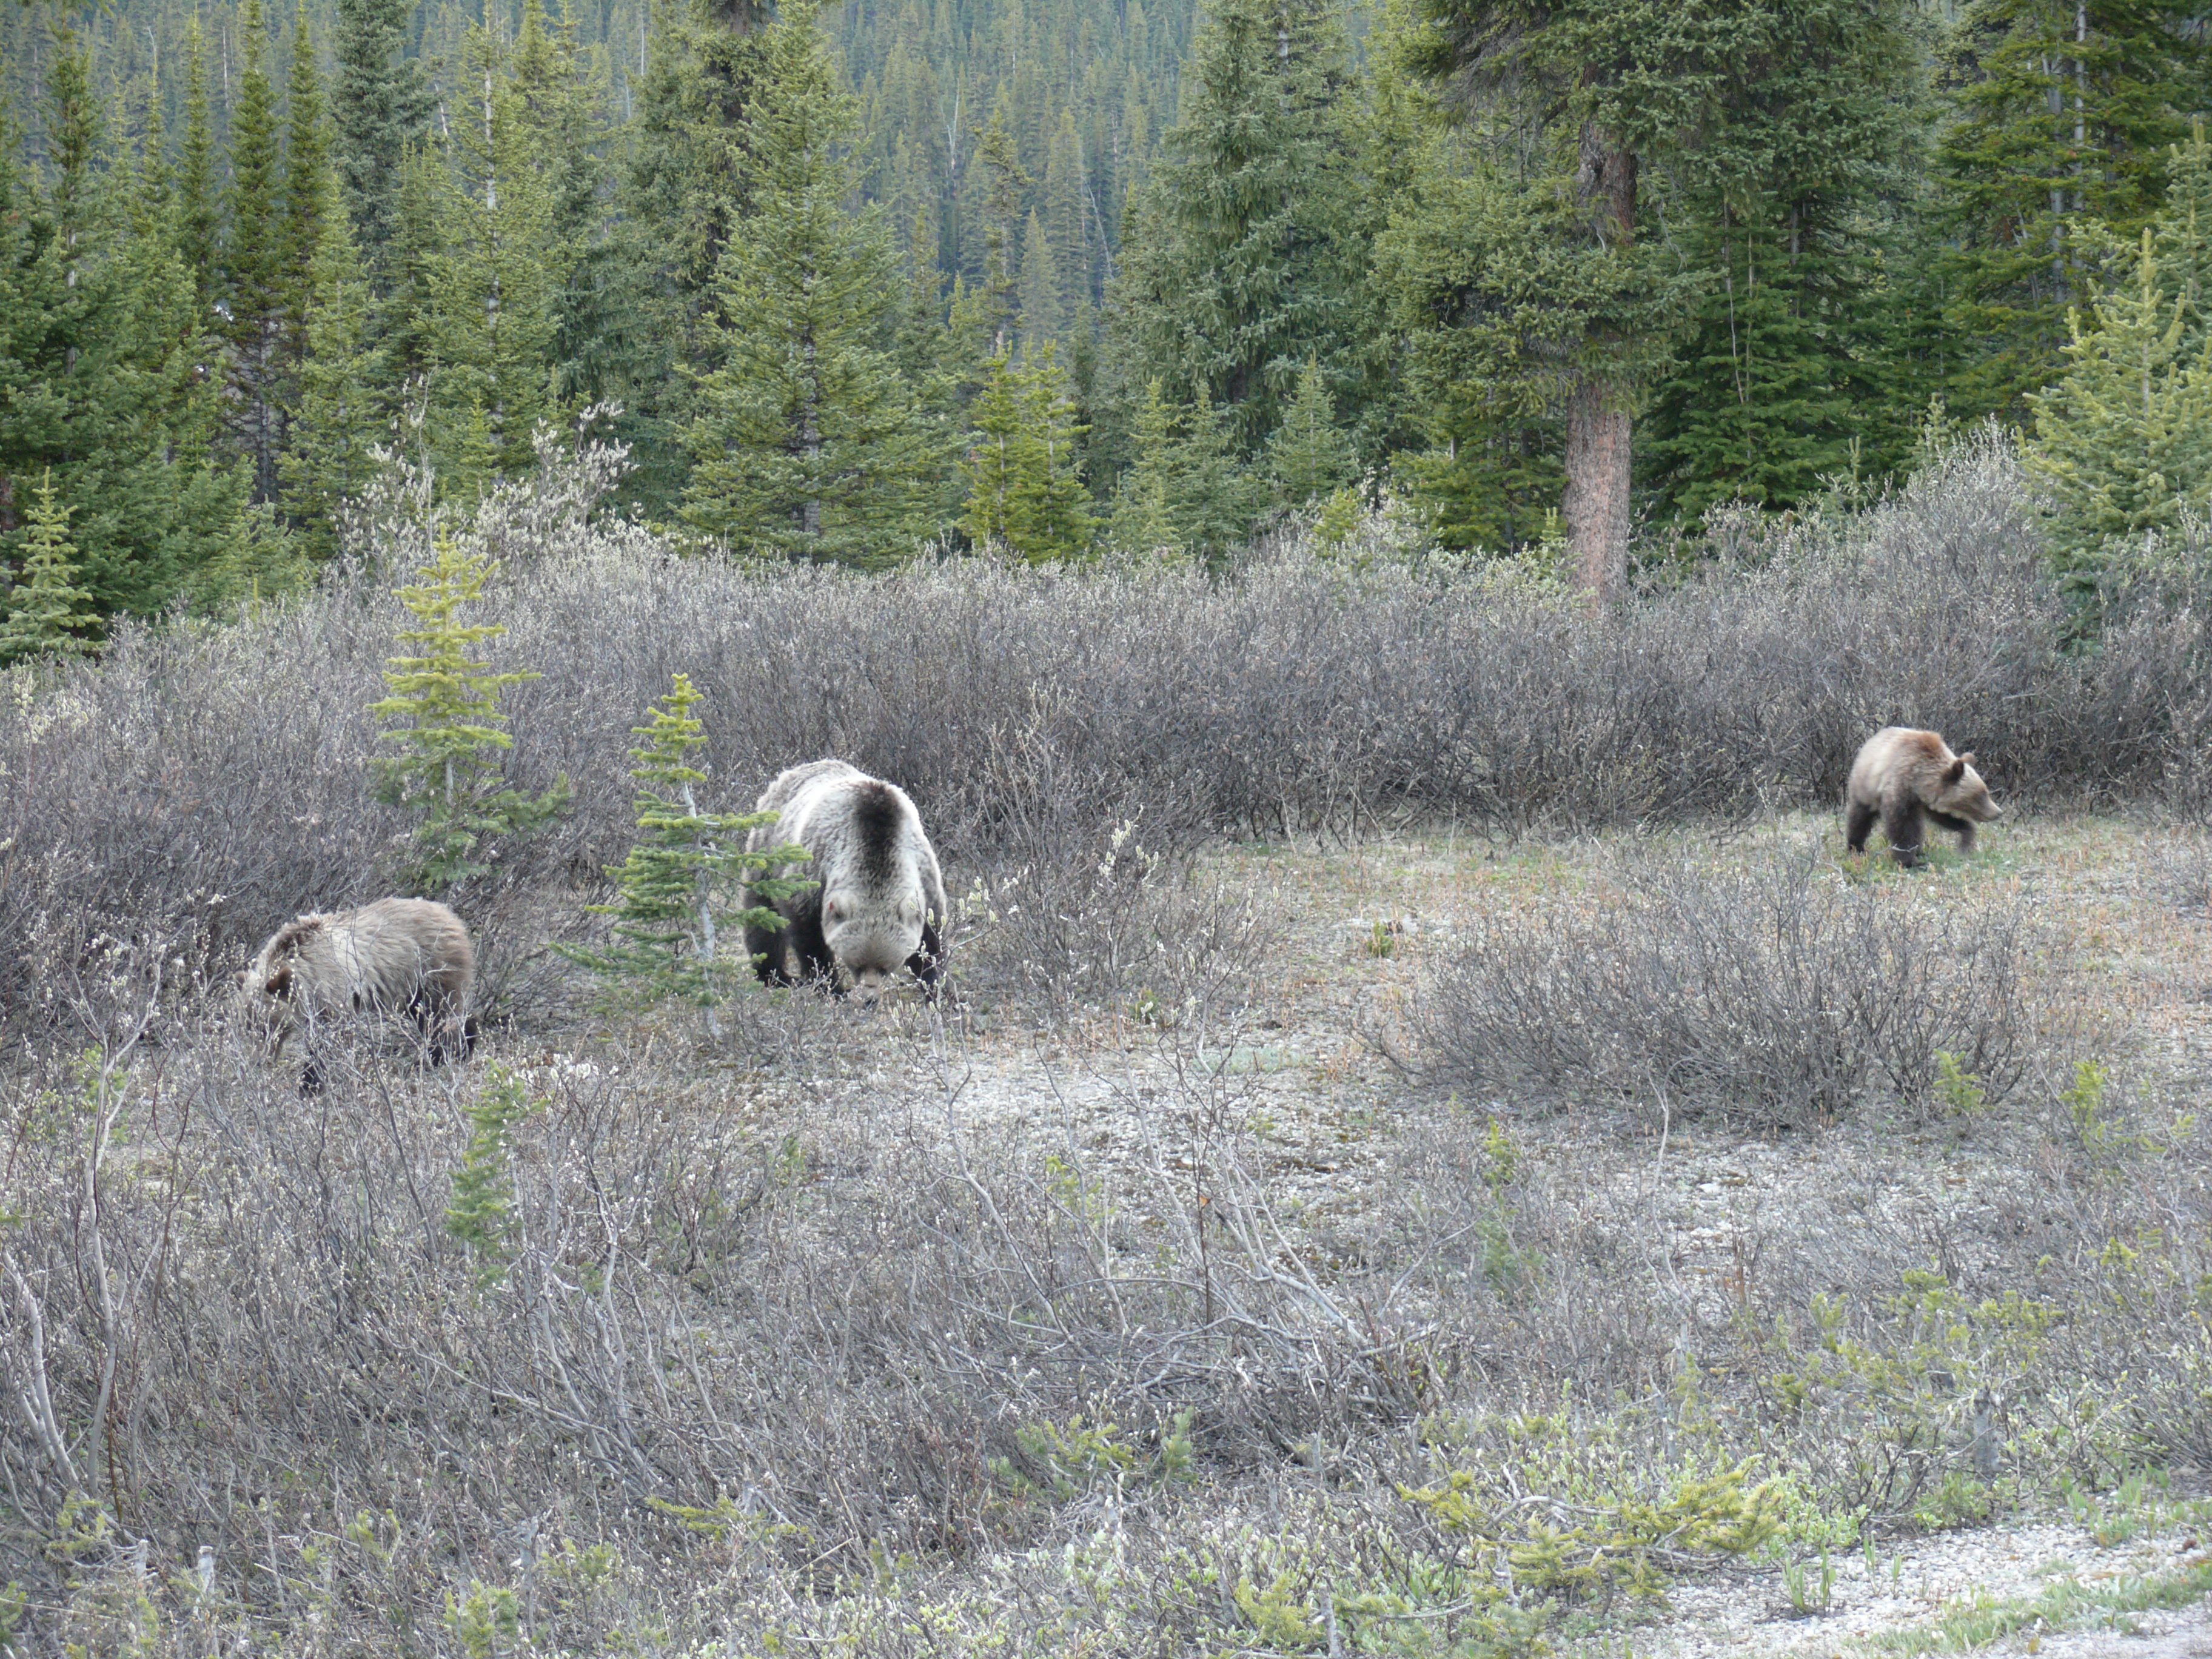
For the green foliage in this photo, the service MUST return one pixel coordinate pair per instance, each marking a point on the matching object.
(341, 414)
(2064, 117)
(449, 771)
(676, 887)
(806, 444)
(44, 615)
(1957, 1089)
(2123, 440)
(481, 1213)
(486, 1622)
(1024, 492)
(1309, 455)
(1625, 1545)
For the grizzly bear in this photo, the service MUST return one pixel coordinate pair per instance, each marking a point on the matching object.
(397, 954)
(1900, 774)
(878, 903)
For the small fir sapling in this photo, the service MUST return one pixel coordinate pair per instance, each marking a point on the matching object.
(46, 613)
(674, 888)
(448, 704)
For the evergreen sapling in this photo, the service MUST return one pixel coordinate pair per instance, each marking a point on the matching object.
(449, 704)
(674, 890)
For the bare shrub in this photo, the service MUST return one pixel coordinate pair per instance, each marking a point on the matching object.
(1778, 992)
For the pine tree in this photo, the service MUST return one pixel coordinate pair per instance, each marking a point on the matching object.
(255, 268)
(1024, 491)
(47, 613)
(341, 414)
(2123, 440)
(493, 285)
(1144, 522)
(1043, 316)
(1256, 223)
(678, 886)
(198, 208)
(447, 703)
(999, 174)
(1309, 456)
(379, 109)
(807, 443)
(2065, 114)
(310, 195)
(1067, 214)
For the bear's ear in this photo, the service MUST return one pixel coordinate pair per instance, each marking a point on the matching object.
(1958, 769)
(1966, 759)
(280, 982)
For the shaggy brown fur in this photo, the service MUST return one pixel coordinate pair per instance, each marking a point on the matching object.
(397, 953)
(1902, 774)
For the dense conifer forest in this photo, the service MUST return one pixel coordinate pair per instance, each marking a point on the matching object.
(1070, 277)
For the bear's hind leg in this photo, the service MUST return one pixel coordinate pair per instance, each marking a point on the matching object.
(1901, 822)
(1858, 821)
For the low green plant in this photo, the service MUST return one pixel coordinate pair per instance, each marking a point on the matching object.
(480, 1214)
(1960, 1092)
(1810, 1594)
(1624, 1545)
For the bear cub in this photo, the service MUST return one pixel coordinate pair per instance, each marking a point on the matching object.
(1901, 777)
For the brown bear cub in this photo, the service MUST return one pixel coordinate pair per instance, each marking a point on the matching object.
(397, 954)
(1901, 774)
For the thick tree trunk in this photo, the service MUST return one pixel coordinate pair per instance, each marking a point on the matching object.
(1596, 503)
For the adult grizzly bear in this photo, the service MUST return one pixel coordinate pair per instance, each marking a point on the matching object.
(1902, 774)
(878, 903)
(397, 953)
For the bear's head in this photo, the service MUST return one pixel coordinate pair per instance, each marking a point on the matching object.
(871, 940)
(1963, 793)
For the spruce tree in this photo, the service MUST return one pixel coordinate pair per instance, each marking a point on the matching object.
(493, 284)
(680, 887)
(341, 413)
(46, 610)
(1143, 521)
(198, 200)
(379, 109)
(1256, 223)
(1025, 492)
(2124, 439)
(256, 263)
(1309, 455)
(446, 702)
(807, 443)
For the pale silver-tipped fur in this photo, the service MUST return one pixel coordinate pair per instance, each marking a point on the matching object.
(880, 902)
(397, 953)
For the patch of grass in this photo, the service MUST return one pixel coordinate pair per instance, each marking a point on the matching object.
(1975, 1622)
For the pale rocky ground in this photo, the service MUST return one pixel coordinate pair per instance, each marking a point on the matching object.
(1304, 1085)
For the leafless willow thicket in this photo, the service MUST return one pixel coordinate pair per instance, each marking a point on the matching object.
(199, 785)
(1777, 993)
